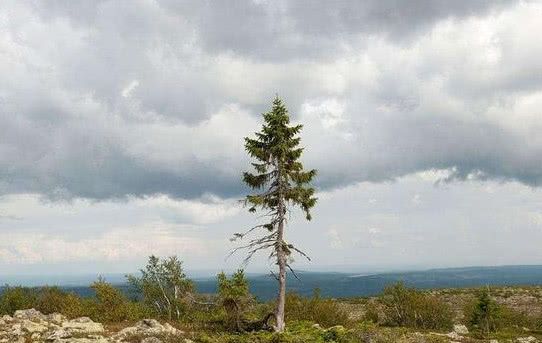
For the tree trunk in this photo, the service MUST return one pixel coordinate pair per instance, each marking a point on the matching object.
(281, 261)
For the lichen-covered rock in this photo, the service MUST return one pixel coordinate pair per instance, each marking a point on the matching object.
(529, 339)
(32, 327)
(147, 327)
(454, 336)
(461, 329)
(30, 314)
(151, 340)
(56, 318)
(82, 325)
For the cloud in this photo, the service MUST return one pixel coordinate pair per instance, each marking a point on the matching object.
(111, 100)
(283, 30)
(335, 241)
(115, 245)
(129, 88)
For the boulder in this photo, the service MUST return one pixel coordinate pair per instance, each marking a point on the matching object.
(148, 327)
(82, 325)
(56, 318)
(461, 329)
(151, 340)
(32, 327)
(454, 336)
(529, 339)
(30, 314)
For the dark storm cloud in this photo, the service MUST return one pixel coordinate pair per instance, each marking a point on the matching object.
(282, 30)
(109, 99)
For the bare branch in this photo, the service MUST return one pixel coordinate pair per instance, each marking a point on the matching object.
(291, 246)
(293, 273)
(274, 275)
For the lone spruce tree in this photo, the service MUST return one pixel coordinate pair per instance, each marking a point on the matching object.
(281, 183)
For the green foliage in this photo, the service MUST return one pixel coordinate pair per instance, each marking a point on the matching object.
(276, 149)
(16, 298)
(485, 314)
(44, 299)
(371, 313)
(326, 312)
(111, 305)
(164, 286)
(409, 307)
(280, 176)
(234, 296)
(53, 299)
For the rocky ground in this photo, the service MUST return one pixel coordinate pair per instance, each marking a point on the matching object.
(32, 326)
(28, 326)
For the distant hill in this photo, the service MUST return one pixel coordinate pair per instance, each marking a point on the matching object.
(349, 285)
(340, 285)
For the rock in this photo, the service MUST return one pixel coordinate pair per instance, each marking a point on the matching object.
(170, 329)
(151, 340)
(454, 336)
(16, 329)
(529, 339)
(94, 339)
(31, 327)
(56, 318)
(82, 325)
(58, 335)
(30, 314)
(148, 327)
(461, 329)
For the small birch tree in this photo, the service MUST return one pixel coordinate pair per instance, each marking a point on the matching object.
(164, 286)
(281, 182)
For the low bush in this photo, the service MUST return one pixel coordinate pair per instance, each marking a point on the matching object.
(326, 312)
(235, 298)
(484, 314)
(409, 307)
(53, 299)
(16, 298)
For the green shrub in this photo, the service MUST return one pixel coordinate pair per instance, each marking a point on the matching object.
(16, 298)
(53, 299)
(74, 306)
(371, 313)
(110, 304)
(234, 297)
(409, 307)
(326, 312)
(485, 314)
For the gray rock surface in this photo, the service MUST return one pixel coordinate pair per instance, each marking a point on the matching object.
(33, 326)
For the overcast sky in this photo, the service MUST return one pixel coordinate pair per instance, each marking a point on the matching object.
(122, 125)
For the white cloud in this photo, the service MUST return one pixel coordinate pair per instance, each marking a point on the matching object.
(335, 241)
(127, 91)
(115, 245)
